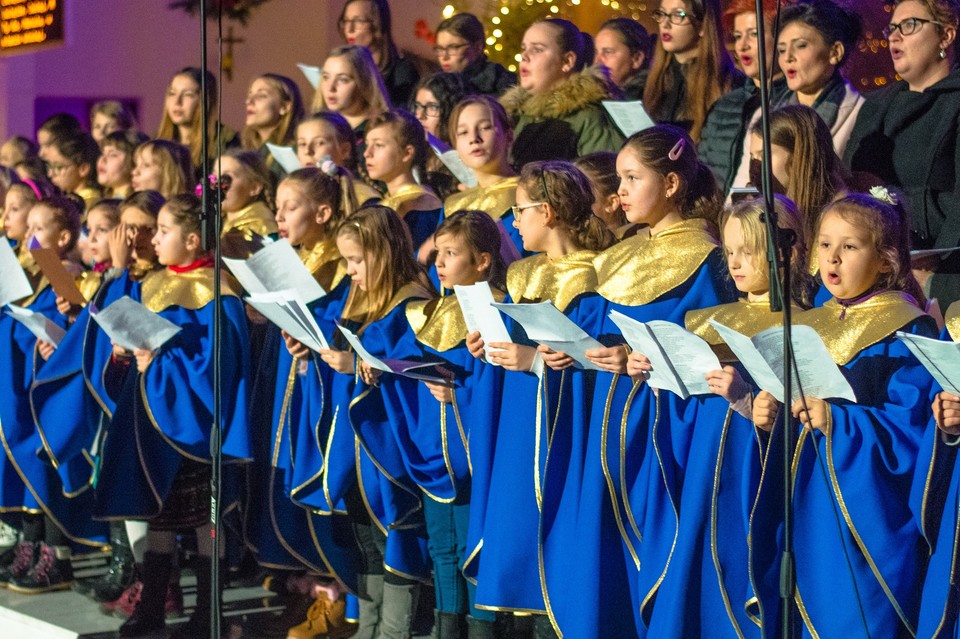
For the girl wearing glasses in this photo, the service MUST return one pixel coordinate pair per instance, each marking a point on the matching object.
(557, 105)
(367, 23)
(72, 166)
(459, 49)
(816, 38)
(554, 218)
(907, 134)
(691, 67)
(433, 101)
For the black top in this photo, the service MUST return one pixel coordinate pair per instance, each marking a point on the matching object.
(400, 77)
(488, 78)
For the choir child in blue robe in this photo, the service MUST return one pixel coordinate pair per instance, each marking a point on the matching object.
(435, 428)
(554, 217)
(155, 461)
(363, 468)
(396, 150)
(671, 265)
(712, 447)
(854, 462)
(291, 526)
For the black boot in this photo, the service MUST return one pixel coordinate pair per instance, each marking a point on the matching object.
(148, 617)
(120, 574)
(24, 556)
(447, 625)
(52, 571)
(480, 629)
(199, 623)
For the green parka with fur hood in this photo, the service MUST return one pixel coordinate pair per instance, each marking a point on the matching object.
(565, 123)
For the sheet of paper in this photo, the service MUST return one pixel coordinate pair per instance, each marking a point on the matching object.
(629, 117)
(14, 284)
(920, 253)
(288, 312)
(752, 360)
(276, 267)
(285, 157)
(476, 304)
(451, 159)
(680, 359)
(941, 359)
(401, 367)
(546, 325)
(40, 326)
(62, 281)
(312, 74)
(133, 326)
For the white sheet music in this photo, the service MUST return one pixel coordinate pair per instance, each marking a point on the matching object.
(285, 157)
(275, 267)
(400, 367)
(287, 310)
(452, 160)
(39, 325)
(312, 74)
(14, 284)
(476, 304)
(629, 116)
(941, 359)
(546, 325)
(133, 326)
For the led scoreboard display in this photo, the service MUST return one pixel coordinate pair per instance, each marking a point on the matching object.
(28, 25)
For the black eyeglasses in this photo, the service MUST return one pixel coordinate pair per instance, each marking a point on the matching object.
(675, 17)
(431, 109)
(354, 23)
(906, 27)
(450, 49)
(543, 183)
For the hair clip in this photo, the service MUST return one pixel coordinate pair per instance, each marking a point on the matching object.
(327, 165)
(881, 193)
(677, 150)
(33, 187)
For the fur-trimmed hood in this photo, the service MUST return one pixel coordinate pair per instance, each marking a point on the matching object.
(581, 89)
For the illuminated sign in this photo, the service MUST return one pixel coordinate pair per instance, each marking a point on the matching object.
(29, 25)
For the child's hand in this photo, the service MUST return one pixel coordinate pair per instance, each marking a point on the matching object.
(70, 311)
(610, 358)
(369, 374)
(120, 353)
(553, 359)
(475, 344)
(946, 412)
(513, 357)
(295, 347)
(638, 366)
(815, 416)
(765, 409)
(45, 349)
(340, 361)
(728, 384)
(443, 393)
(120, 243)
(144, 357)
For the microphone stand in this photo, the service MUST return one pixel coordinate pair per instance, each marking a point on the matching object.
(779, 249)
(210, 223)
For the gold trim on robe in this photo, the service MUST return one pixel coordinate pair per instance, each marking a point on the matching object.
(439, 323)
(744, 316)
(538, 278)
(952, 321)
(256, 217)
(640, 269)
(325, 263)
(191, 290)
(863, 324)
(495, 200)
(412, 197)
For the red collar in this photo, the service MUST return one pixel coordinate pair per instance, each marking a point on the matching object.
(203, 262)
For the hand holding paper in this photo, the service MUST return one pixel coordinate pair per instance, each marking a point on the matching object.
(40, 326)
(547, 326)
(286, 310)
(133, 326)
(476, 304)
(276, 267)
(401, 367)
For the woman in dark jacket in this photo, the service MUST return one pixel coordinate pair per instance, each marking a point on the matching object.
(459, 49)
(557, 105)
(623, 46)
(907, 135)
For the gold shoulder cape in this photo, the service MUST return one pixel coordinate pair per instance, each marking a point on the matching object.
(640, 269)
(952, 319)
(495, 200)
(743, 316)
(325, 263)
(439, 323)
(191, 290)
(538, 278)
(412, 197)
(256, 217)
(863, 324)
(88, 282)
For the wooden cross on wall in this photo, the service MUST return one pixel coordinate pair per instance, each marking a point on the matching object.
(228, 54)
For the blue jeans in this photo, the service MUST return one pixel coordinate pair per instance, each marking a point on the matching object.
(447, 531)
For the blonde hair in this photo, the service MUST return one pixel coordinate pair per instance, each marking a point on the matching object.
(286, 129)
(169, 131)
(334, 190)
(174, 161)
(388, 255)
(370, 87)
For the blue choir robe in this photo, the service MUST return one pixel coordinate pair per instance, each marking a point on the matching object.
(869, 457)
(715, 457)
(646, 278)
(392, 498)
(419, 208)
(936, 497)
(286, 533)
(496, 200)
(507, 568)
(24, 443)
(165, 414)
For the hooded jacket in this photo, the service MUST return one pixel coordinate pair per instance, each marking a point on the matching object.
(564, 123)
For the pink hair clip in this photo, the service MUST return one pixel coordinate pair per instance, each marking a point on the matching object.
(33, 187)
(677, 150)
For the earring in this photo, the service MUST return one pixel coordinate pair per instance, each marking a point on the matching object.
(943, 54)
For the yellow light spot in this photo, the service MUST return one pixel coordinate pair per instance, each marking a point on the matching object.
(512, 68)
(504, 10)
(491, 40)
(495, 20)
(448, 11)
(498, 47)
(614, 5)
(497, 33)
(554, 9)
(517, 57)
